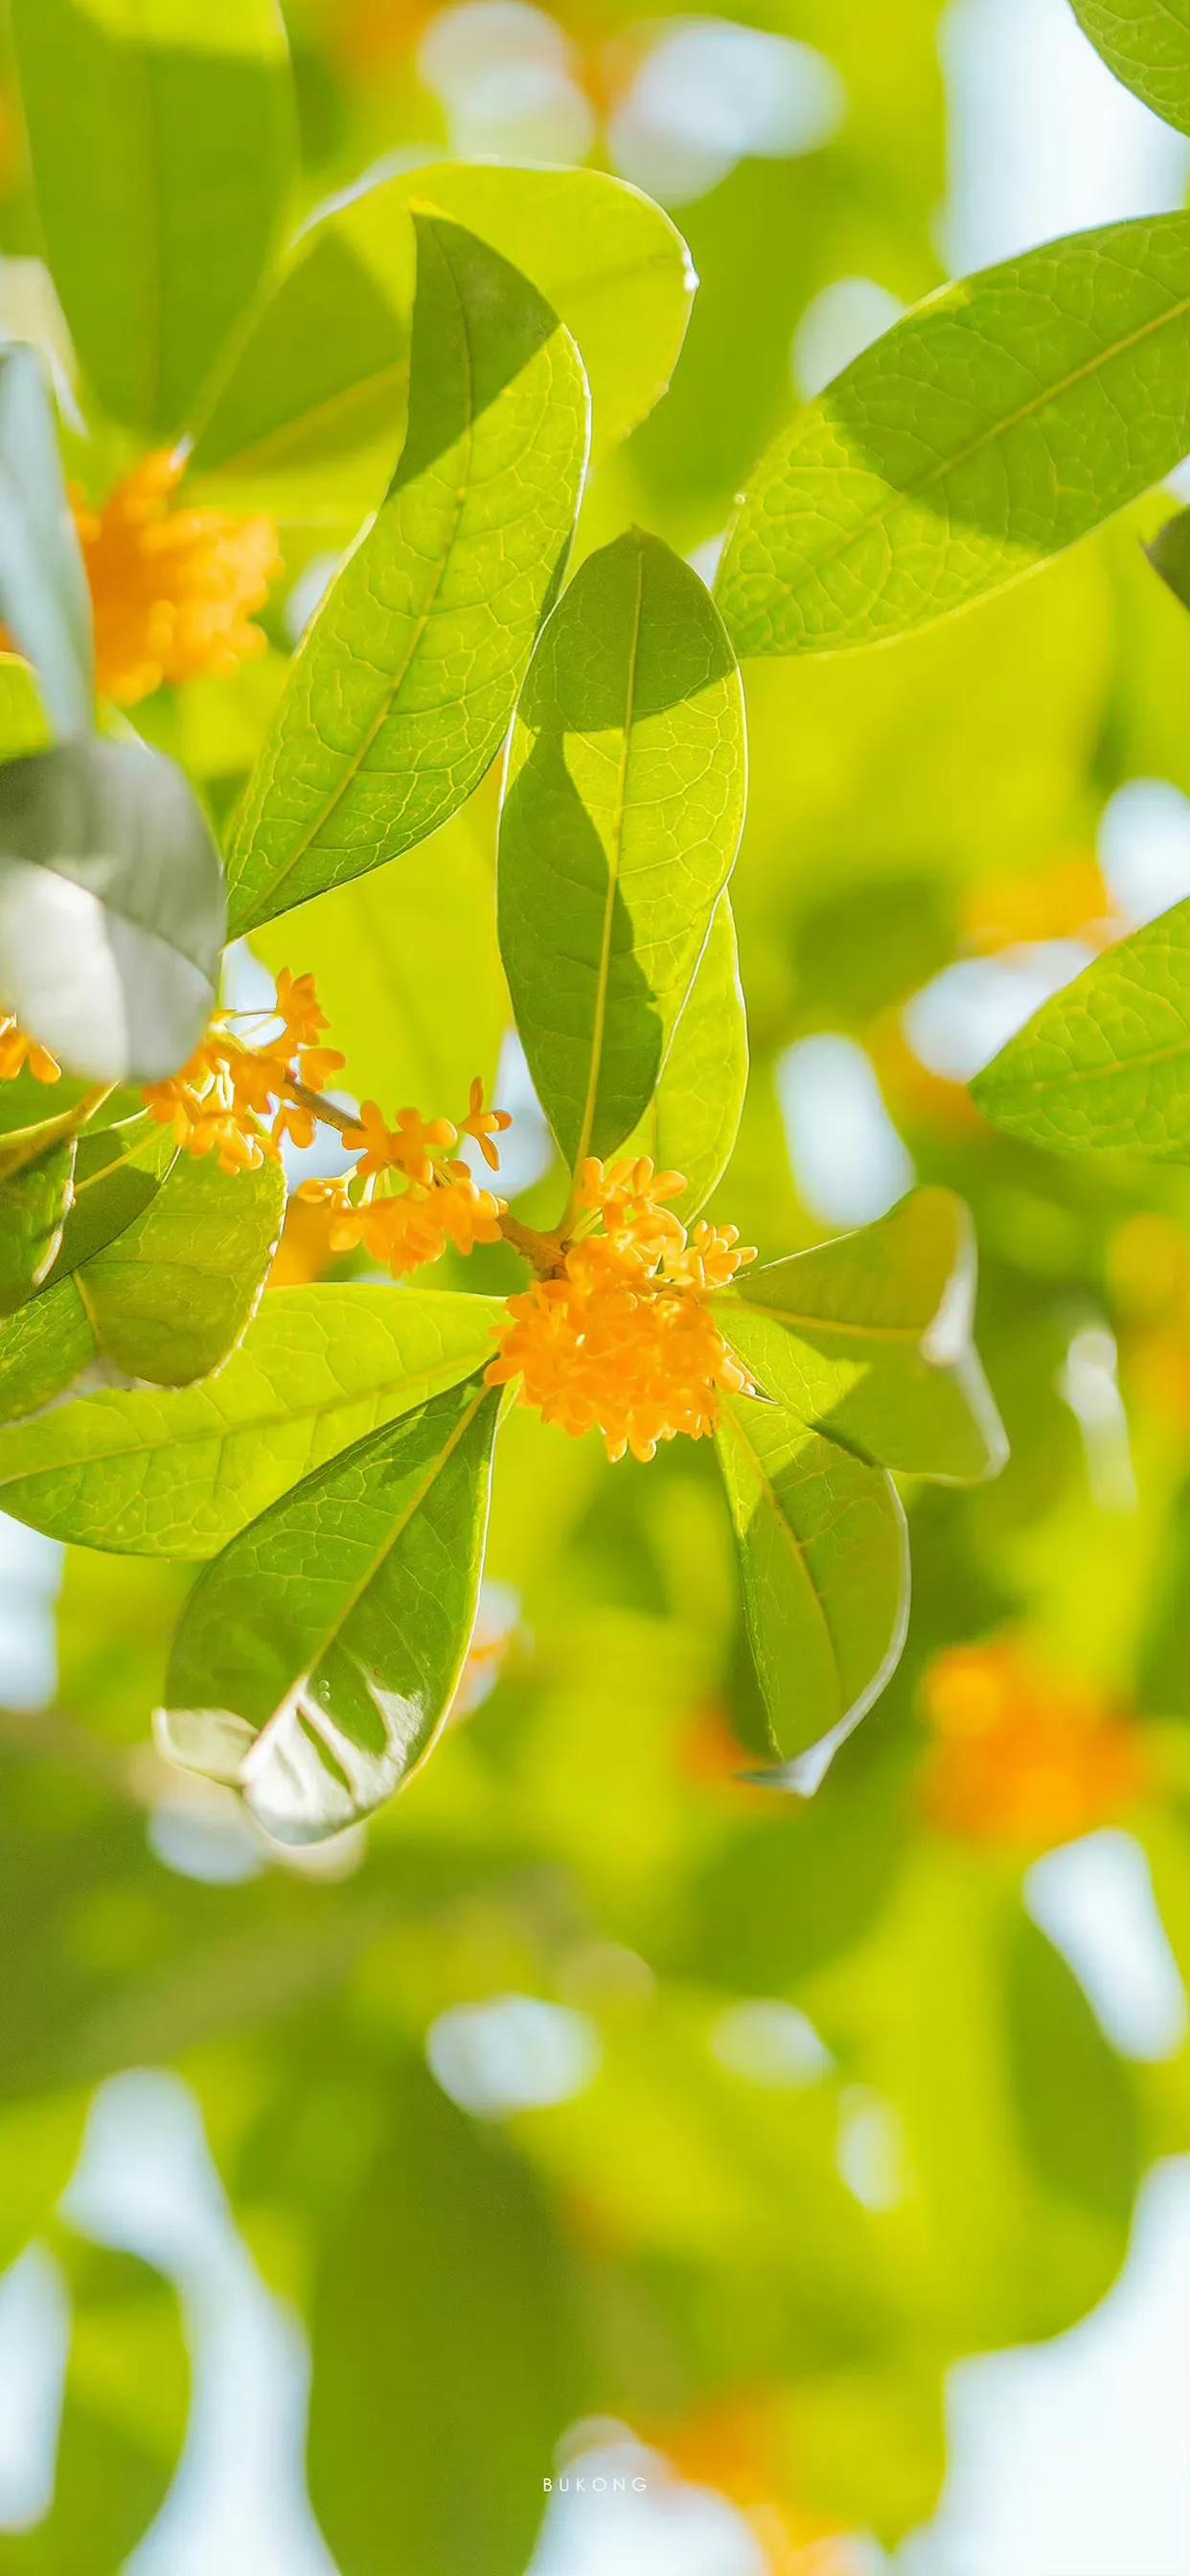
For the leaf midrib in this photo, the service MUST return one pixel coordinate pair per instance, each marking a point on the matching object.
(898, 496)
(615, 852)
(347, 1609)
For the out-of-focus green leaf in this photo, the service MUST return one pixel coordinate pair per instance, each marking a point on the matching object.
(24, 726)
(409, 972)
(622, 813)
(35, 1193)
(39, 2144)
(869, 1339)
(824, 1564)
(112, 909)
(999, 422)
(317, 1370)
(314, 400)
(1105, 1064)
(401, 692)
(693, 1119)
(1146, 43)
(486, 2320)
(123, 2415)
(1169, 554)
(161, 135)
(165, 1300)
(318, 1655)
(44, 604)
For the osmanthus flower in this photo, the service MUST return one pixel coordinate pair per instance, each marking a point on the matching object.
(409, 1195)
(1022, 1755)
(17, 1050)
(741, 2448)
(622, 1340)
(235, 1098)
(173, 590)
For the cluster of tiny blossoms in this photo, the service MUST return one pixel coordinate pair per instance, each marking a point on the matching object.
(173, 591)
(622, 1339)
(409, 1195)
(234, 1098)
(616, 1334)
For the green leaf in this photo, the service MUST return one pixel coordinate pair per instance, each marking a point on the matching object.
(1103, 1066)
(1005, 418)
(312, 406)
(165, 1301)
(622, 814)
(123, 2418)
(435, 2415)
(111, 908)
(1169, 554)
(24, 725)
(45, 606)
(161, 135)
(317, 1657)
(35, 1194)
(401, 692)
(1146, 43)
(409, 972)
(178, 1475)
(824, 1562)
(693, 1119)
(868, 1339)
(118, 1172)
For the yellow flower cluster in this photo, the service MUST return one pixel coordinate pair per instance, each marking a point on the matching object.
(231, 1099)
(173, 591)
(622, 1341)
(417, 1196)
(18, 1050)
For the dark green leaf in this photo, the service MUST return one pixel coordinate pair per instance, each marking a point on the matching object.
(1103, 1065)
(622, 813)
(111, 908)
(401, 693)
(178, 1475)
(318, 1656)
(314, 401)
(1005, 418)
(161, 134)
(44, 604)
(1146, 43)
(486, 2319)
(869, 1339)
(824, 1561)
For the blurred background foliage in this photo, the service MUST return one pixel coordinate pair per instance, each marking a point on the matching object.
(600, 2112)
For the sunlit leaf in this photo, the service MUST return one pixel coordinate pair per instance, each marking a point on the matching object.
(44, 604)
(1146, 43)
(1105, 1064)
(165, 1300)
(111, 908)
(869, 1339)
(178, 1475)
(824, 1564)
(622, 812)
(1003, 419)
(401, 693)
(35, 1193)
(161, 134)
(692, 1121)
(318, 1655)
(314, 401)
